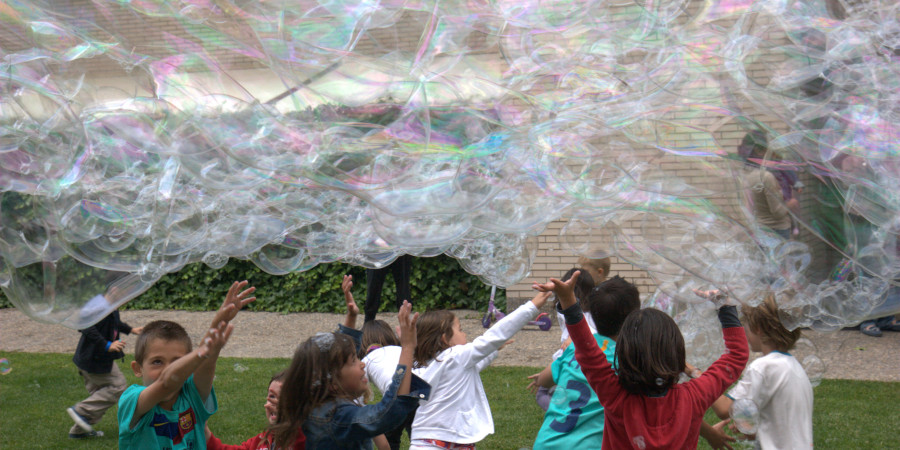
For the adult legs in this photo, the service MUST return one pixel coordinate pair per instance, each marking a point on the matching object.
(374, 283)
(402, 270)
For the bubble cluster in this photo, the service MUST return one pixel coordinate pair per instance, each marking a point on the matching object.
(138, 137)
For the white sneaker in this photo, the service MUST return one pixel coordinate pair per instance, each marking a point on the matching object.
(80, 421)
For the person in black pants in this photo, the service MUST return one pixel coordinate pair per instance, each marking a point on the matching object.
(401, 268)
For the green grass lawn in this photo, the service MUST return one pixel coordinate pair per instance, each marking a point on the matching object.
(35, 393)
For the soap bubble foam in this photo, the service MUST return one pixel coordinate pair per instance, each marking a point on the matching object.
(138, 137)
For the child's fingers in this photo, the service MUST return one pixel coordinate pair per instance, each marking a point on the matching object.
(413, 320)
(247, 292)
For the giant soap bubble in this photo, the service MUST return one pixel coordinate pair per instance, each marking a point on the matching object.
(137, 137)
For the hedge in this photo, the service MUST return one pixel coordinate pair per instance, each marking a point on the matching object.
(436, 283)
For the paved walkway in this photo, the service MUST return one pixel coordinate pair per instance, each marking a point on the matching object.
(847, 354)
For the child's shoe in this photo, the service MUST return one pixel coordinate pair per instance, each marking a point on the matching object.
(95, 433)
(79, 420)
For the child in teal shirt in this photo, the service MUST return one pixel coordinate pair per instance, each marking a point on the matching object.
(574, 418)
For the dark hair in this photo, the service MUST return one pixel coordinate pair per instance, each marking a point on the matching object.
(278, 377)
(763, 320)
(611, 302)
(431, 327)
(753, 145)
(583, 286)
(376, 332)
(160, 329)
(311, 381)
(650, 352)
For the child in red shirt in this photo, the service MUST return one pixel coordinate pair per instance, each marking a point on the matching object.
(645, 406)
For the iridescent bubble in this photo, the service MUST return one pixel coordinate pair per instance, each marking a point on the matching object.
(138, 137)
(5, 366)
(745, 415)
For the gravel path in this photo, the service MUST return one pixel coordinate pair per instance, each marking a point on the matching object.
(848, 354)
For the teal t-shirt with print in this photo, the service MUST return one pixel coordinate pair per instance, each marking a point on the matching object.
(181, 428)
(574, 418)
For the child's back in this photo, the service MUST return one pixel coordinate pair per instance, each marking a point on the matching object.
(644, 406)
(575, 417)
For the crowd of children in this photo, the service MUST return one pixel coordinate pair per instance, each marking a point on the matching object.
(617, 381)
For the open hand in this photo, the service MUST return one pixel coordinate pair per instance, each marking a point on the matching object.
(235, 299)
(346, 285)
(214, 340)
(407, 325)
(564, 290)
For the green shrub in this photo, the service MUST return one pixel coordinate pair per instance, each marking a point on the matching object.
(436, 283)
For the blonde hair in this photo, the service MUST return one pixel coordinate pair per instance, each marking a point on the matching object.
(594, 266)
(763, 320)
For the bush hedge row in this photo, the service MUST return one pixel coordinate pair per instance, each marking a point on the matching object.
(436, 283)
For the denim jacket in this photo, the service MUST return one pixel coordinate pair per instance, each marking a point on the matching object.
(342, 424)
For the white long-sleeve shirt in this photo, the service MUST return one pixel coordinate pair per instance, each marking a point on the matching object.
(458, 410)
(381, 364)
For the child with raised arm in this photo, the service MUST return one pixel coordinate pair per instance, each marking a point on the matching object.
(323, 382)
(574, 418)
(458, 414)
(775, 382)
(170, 408)
(644, 406)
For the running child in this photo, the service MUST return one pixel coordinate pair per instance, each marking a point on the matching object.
(458, 415)
(644, 406)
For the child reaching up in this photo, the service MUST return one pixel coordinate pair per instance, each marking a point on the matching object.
(324, 379)
(775, 382)
(645, 407)
(458, 415)
(169, 410)
(574, 418)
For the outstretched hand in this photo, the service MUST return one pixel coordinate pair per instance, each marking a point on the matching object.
(346, 286)
(564, 290)
(214, 340)
(407, 325)
(235, 299)
(716, 296)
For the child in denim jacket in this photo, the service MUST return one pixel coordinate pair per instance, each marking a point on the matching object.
(324, 379)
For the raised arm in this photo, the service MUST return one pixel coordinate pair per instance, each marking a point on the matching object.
(473, 353)
(593, 361)
(727, 369)
(352, 309)
(236, 298)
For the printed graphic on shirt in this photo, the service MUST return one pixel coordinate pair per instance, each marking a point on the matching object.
(174, 431)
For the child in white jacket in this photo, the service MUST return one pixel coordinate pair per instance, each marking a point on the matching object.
(458, 415)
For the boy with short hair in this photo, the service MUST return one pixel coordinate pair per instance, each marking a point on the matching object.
(775, 382)
(169, 410)
(575, 417)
